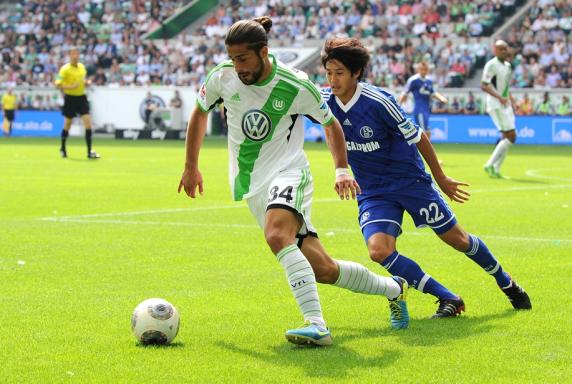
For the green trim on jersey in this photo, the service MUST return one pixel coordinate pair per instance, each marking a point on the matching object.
(224, 64)
(249, 150)
(305, 83)
(329, 122)
(272, 73)
(200, 106)
(300, 189)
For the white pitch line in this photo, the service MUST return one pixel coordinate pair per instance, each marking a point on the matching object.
(515, 189)
(149, 212)
(534, 173)
(252, 226)
(235, 206)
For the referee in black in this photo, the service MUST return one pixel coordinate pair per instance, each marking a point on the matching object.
(71, 80)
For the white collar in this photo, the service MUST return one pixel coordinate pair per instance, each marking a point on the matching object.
(353, 100)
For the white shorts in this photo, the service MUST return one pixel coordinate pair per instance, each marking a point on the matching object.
(503, 118)
(291, 190)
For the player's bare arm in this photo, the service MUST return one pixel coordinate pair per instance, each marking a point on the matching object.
(345, 183)
(402, 98)
(192, 177)
(448, 185)
(440, 97)
(486, 87)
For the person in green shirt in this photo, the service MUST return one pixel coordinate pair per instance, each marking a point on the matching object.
(564, 107)
(545, 108)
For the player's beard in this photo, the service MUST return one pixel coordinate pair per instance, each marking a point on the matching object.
(253, 77)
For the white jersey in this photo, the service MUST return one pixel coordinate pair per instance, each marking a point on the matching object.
(499, 74)
(265, 126)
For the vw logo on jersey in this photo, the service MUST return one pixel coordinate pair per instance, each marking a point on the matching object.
(366, 132)
(364, 216)
(278, 104)
(256, 125)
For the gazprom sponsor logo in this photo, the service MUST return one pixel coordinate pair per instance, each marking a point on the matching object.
(363, 147)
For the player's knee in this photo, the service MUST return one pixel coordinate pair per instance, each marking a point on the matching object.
(380, 252)
(276, 240)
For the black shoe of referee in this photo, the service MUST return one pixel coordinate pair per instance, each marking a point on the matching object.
(93, 155)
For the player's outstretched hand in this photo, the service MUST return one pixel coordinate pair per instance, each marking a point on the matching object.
(190, 180)
(346, 186)
(452, 188)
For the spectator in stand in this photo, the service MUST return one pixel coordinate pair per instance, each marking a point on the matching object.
(525, 106)
(471, 105)
(564, 107)
(455, 106)
(553, 79)
(545, 107)
(439, 107)
(176, 101)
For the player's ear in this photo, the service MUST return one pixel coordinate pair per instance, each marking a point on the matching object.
(263, 52)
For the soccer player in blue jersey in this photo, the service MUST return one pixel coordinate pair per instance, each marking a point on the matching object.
(384, 148)
(421, 87)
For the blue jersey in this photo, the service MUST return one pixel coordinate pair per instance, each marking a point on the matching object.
(422, 89)
(380, 140)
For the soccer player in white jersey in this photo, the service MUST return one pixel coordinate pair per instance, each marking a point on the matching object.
(265, 102)
(496, 82)
(384, 151)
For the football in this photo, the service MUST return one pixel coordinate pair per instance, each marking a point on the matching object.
(155, 321)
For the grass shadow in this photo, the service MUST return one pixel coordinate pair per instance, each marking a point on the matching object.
(335, 361)
(528, 181)
(174, 345)
(430, 332)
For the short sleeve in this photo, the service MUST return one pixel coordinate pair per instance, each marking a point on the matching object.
(488, 73)
(61, 76)
(311, 103)
(209, 92)
(407, 87)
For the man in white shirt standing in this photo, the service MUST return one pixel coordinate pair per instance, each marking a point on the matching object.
(496, 82)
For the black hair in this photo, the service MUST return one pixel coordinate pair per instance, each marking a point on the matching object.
(253, 33)
(349, 51)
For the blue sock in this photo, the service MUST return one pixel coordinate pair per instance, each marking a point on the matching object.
(399, 265)
(480, 254)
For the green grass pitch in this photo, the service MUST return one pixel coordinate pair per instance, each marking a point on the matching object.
(83, 242)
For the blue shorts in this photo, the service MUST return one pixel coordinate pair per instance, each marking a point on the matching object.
(383, 212)
(422, 120)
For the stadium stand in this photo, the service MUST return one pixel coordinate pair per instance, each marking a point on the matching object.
(451, 35)
(543, 46)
